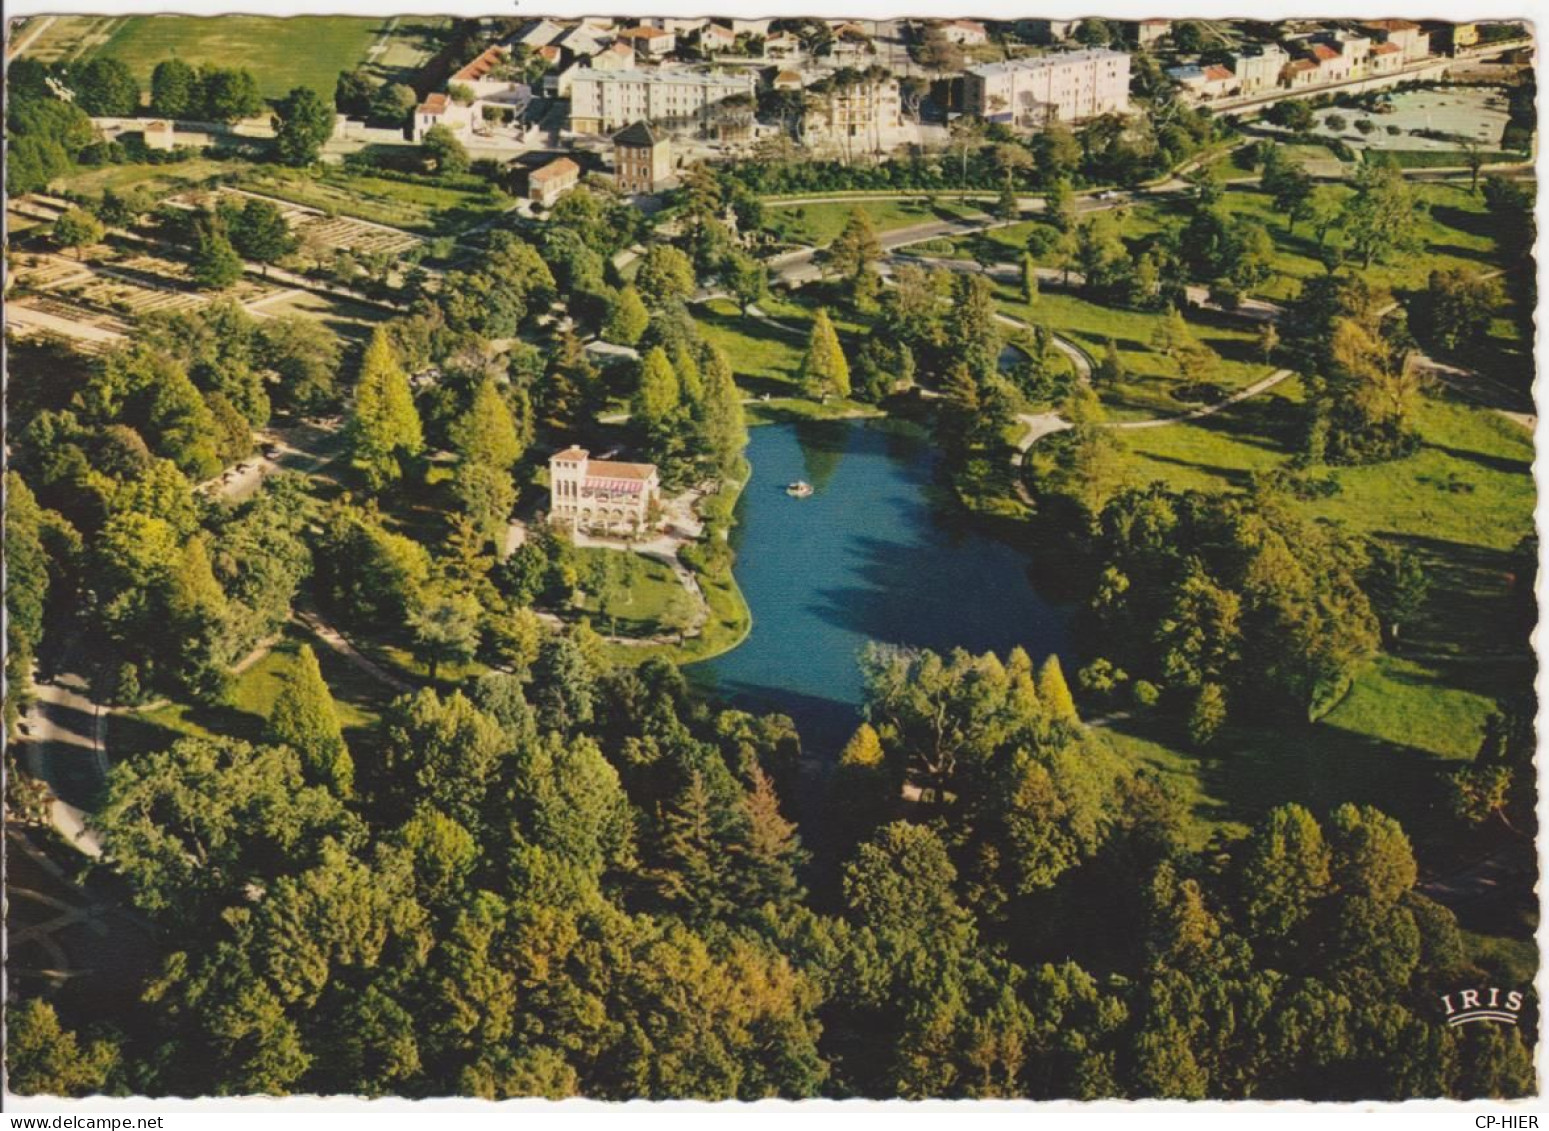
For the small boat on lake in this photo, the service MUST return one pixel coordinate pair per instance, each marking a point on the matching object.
(799, 489)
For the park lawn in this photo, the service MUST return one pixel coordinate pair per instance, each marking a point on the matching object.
(1219, 452)
(1455, 230)
(818, 224)
(281, 53)
(1440, 158)
(1150, 379)
(640, 615)
(351, 320)
(764, 358)
(413, 206)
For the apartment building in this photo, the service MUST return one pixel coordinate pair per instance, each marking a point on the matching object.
(1069, 87)
(642, 159)
(1259, 72)
(1413, 40)
(605, 101)
(853, 111)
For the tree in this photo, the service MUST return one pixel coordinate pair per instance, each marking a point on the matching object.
(447, 630)
(1455, 310)
(487, 432)
(216, 263)
(175, 90)
(260, 232)
(1110, 370)
(1207, 715)
(393, 103)
(1267, 340)
(43, 1058)
(658, 394)
(304, 718)
(78, 229)
(1380, 217)
(105, 88)
(302, 123)
(1054, 692)
(1029, 279)
(666, 274)
(824, 370)
(304, 356)
(445, 151)
(229, 94)
(1284, 870)
(853, 255)
(386, 427)
(722, 425)
(352, 92)
(1094, 32)
(627, 318)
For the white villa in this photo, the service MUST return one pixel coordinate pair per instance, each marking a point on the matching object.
(599, 494)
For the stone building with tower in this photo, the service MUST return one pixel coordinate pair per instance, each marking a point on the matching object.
(601, 495)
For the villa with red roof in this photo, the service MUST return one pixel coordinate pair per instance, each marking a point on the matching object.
(595, 494)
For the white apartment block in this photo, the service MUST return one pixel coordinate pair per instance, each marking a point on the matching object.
(1261, 72)
(606, 101)
(1068, 87)
(861, 112)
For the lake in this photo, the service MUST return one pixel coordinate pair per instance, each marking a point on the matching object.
(878, 552)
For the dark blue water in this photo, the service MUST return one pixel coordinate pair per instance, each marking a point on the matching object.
(875, 554)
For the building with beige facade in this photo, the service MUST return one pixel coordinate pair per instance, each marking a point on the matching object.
(1259, 72)
(601, 495)
(1029, 93)
(604, 101)
(853, 113)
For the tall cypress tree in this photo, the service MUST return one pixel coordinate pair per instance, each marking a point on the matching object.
(824, 370)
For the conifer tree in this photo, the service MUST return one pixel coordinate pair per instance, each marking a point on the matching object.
(853, 253)
(386, 427)
(724, 428)
(1054, 692)
(1029, 279)
(304, 718)
(487, 432)
(824, 369)
(658, 394)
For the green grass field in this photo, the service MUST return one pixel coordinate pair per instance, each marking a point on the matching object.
(281, 53)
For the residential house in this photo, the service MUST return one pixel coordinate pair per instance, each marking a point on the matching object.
(548, 183)
(439, 109)
(714, 38)
(1029, 93)
(1449, 38)
(966, 33)
(781, 45)
(751, 27)
(1385, 59)
(642, 159)
(539, 33)
(619, 56)
(650, 42)
(1148, 32)
(582, 42)
(1205, 83)
(1260, 71)
(788, 80)
(1300, 74)
(1412, 39)
(605, 101)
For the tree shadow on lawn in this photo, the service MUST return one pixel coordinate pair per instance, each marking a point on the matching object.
(1473, 617)
(1503, 464)
(1237, 477)
(1480, 224)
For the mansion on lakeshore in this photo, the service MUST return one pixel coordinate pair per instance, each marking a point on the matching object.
(597, 494)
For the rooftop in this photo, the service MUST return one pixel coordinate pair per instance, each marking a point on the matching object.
(1217, 73)
(696, 78)
(434, 104)
(560, 167)
(1392, 25)
(1039, 62)
(608, 469)
(481, 66)
(640, 135)
(1386, 49)
(1323, 53)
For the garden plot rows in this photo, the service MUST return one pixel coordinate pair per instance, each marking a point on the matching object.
(318, 230)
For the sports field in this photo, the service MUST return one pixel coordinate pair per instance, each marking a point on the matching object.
(281, 53)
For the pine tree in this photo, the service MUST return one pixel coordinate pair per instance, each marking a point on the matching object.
(824, 370)
(487, 432)
(1110, 370)
(853, 253)
(304, 718)
(386, 427)
(1054, 692)
(216, 263)
(771, 852)
(864, 749)
(627, 318)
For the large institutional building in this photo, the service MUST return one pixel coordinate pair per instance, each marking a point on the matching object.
(605, 101)
(1068, 87)
(600, 494)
